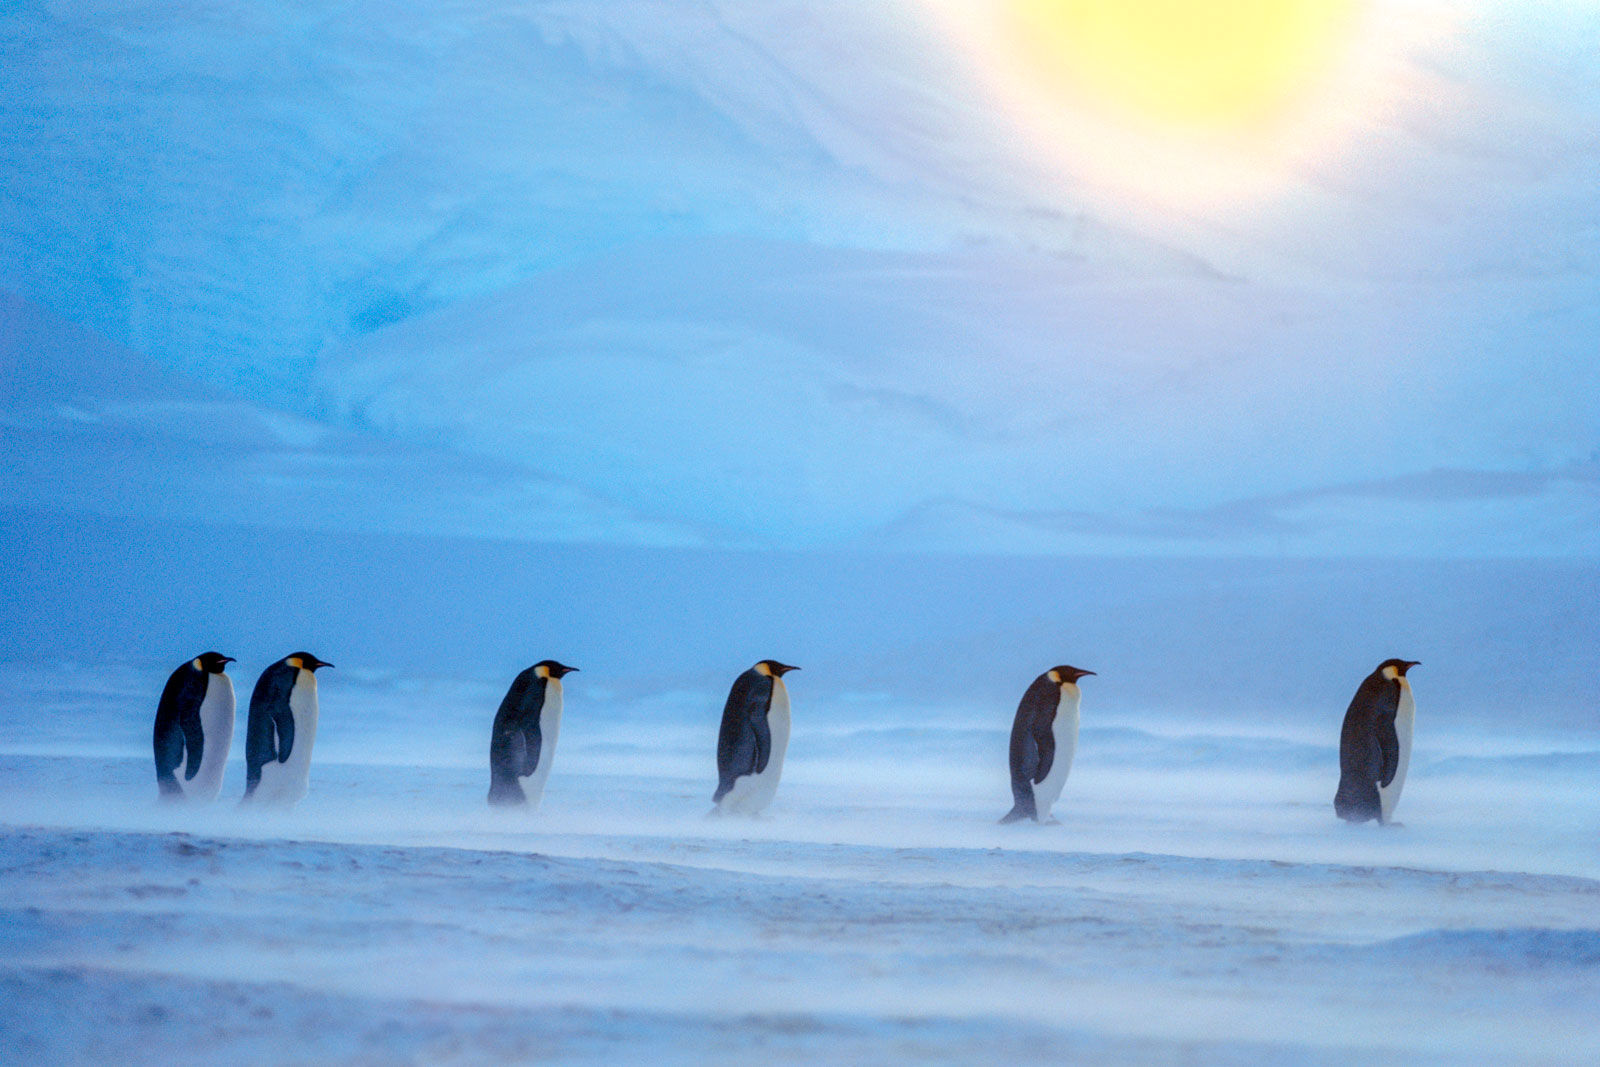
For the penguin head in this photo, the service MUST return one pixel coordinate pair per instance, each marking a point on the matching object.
(1395, 669)
(773, 669)
(549, 668)
(305, 661)
(212, 662)
(1064, 675)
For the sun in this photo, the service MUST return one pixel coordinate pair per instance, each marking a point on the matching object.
(1196, 63)
(1182, 109)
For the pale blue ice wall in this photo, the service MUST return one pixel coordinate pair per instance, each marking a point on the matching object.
(752, 275)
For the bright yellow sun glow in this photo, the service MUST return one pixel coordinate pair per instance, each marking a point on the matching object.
(1184, 108)
(1196, 62)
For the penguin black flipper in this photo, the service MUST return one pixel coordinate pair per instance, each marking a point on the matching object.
(283, 722)
(1385, 709)
(1045, 739)
(529, 741)
(1388, 751)
(194, 739)
(178, 727)
(763, 738)
(744, 743)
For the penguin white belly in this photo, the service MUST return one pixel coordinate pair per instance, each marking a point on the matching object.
(751, 793)
(1405, 721)
(285, 783)
(216, 724)
(549, 731)
(1065, 730)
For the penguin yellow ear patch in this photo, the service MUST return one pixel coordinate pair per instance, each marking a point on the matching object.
(1055, 676)
(196, 665)
(541, 672)
(294, 661)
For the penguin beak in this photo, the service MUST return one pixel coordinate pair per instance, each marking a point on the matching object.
(1409, 663)
(227, 659)
(1084, 674)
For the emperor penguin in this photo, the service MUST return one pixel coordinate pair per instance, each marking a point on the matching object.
(523, 743)
(1044, 737)
(280, 731)
(753, 739)
(194, 718)
(1375, 744)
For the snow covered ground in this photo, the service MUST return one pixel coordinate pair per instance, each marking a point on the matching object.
(1198, 904)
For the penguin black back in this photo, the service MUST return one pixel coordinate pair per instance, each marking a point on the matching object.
(1369, 749)
(269, 731)
(745, 741)
(1033, 742)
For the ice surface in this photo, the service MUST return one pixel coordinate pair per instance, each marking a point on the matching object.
(1198, 903)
